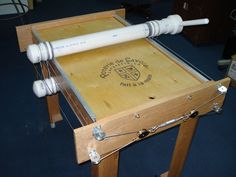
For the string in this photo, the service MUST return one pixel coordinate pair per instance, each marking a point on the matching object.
(72, 100)
(62, 111)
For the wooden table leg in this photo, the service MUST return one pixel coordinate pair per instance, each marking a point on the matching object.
(53, 109)
(184, 139)
(107, 167)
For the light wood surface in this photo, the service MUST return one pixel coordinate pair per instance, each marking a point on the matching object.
(150, 114)
(24, 32)
(97, 74)
(69, 95)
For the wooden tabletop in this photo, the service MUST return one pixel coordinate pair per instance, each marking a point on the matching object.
(115, 78)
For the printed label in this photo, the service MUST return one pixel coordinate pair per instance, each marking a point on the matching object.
(129, 71)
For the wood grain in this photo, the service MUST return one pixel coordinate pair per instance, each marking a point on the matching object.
(70, 96)
(95, 73)
(24, 33)
(152, 113)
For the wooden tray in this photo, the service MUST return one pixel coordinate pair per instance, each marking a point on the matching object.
(118, 77)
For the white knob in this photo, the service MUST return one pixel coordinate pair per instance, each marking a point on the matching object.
(45, 87)
(173, 24)
(41, 52)
(33, 53)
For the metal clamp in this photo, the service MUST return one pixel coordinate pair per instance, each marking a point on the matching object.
(98, 134)
(221, 89)
(94, 156)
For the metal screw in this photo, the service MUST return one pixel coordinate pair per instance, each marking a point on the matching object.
(98, 134)
(136, 115)
(189, 97)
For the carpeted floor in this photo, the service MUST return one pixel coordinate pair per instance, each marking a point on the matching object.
(30, 148)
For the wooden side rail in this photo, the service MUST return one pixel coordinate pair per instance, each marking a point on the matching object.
(150, 114)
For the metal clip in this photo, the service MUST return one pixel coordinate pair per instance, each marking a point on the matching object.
(221, 89)
(94, 156)
(143, 133)
(193, 114)
(98, 134)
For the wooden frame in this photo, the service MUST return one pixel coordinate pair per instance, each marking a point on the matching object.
(166, 109)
